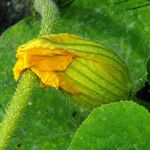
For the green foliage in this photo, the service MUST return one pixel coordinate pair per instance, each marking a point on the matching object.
(50, 121)
(122, 125)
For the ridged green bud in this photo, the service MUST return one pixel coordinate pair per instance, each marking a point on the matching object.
(92, 73)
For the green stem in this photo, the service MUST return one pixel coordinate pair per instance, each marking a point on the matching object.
(17, 105)
(49, 13)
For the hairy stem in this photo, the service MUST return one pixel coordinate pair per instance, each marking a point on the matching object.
(49, 13)
(17, 105)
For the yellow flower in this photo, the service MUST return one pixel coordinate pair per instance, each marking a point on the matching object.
(88, 70)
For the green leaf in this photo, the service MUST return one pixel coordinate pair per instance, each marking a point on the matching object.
(122, 125)
(50, 121)
(122, 25)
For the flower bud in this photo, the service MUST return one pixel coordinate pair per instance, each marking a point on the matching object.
(90, 72)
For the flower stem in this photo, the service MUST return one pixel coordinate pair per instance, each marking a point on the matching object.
(49, 14)
(17, 105)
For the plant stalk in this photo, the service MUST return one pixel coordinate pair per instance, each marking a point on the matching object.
(19, 102)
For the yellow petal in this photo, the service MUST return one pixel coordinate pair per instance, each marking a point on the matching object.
(42, 59)
(47, 78)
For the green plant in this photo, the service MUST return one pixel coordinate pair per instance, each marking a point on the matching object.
(103, 130)
(99, 21)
